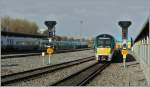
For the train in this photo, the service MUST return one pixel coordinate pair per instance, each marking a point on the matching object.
(104, 46)
(12, 41)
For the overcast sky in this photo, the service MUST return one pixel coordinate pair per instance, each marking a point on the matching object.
(98, 16)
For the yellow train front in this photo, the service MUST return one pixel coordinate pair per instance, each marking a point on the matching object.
(104, 46)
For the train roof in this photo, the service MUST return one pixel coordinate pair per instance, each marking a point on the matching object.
(6, 33)
(105, 36)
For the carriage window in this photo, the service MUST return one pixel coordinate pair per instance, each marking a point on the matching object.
(11, 42)
(1, 42)
(100, 42)
(8, 41)
(107, 42)
(104, 43)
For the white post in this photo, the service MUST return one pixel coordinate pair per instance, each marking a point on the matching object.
(43, 54)
(124, 62)
(49, 59)
(81, 23)
(50, 40)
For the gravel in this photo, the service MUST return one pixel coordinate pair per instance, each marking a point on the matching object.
(47, 79)
(116, 75)
(13, 65)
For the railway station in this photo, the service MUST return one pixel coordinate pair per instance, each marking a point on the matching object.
(75, 43)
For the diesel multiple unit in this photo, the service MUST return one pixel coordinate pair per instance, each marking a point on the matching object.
(104, 45)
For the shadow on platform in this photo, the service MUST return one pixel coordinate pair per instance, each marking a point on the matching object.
(118, 58)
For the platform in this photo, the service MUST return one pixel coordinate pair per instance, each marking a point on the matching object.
(117, 75)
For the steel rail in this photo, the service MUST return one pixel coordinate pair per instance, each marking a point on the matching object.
(82, 77)
(38, 53)
(11, 78)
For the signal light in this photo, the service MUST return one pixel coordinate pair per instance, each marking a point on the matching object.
(124, 35)
(50, 34)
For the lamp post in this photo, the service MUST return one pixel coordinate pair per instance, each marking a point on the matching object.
(81, 23)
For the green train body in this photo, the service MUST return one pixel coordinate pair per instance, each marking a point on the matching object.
(104, 46)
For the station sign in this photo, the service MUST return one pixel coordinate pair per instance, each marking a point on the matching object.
(50, 50)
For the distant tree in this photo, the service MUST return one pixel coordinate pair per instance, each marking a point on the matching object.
(64, 38)
(58, 38)
(45, 32)
(71, 39)
(18, 25)
(90, 42)
(83, 39)
(5, 23)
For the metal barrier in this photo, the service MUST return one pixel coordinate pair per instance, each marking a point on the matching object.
(143, 52)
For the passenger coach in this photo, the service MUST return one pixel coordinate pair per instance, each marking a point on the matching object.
(21, 42)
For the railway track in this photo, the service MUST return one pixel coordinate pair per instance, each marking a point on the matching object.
(82, 77)
(19, 55)
(72, 50)
(11, 78)
(15, 55)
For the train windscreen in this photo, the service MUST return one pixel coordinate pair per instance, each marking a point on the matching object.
(104, 42)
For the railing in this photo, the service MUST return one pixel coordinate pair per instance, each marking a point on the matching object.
(143, 52)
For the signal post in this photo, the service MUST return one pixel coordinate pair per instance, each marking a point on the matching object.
(124, 51)
(50, 50)
(51, 36)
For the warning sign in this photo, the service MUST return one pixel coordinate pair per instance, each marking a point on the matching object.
(50, 50)
(124, 53)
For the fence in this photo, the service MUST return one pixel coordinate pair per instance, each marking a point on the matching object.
(142, 50)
